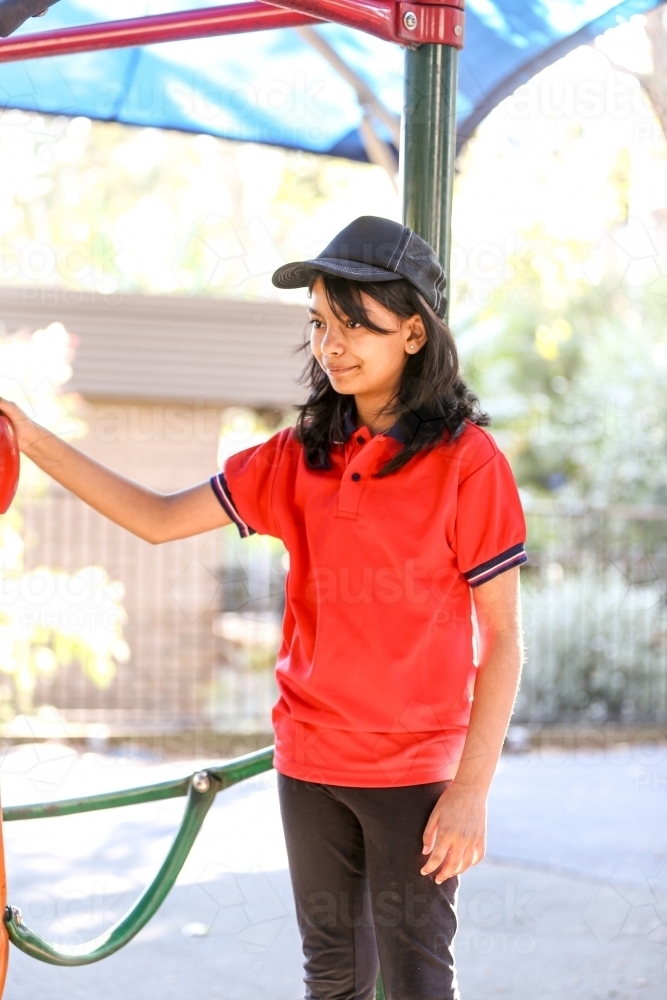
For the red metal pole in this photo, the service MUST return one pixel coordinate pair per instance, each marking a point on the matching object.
(236, 18)
(425, 21)
(377, 17)
(402, 22)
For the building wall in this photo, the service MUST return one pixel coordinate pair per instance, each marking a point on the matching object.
(165, 446)
(170, 348)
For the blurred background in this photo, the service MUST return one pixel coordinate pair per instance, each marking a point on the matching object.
(140, 322)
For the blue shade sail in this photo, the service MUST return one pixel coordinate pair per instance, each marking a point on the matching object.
(273, 87)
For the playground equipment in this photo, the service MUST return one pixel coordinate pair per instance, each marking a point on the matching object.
(200, 788)
(9, 463)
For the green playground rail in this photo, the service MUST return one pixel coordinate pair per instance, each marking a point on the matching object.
(200, 789)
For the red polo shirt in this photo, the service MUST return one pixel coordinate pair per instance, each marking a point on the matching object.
(376, 668)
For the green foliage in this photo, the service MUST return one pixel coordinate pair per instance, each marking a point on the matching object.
(573, 373)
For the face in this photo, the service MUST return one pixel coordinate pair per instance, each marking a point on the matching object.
(359, 361)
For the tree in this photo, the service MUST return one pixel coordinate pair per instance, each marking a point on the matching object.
(574, 376)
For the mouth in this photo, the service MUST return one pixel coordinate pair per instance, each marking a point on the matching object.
(340, 371)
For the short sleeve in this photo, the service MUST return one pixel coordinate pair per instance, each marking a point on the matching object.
(245, 487)
(490, 526)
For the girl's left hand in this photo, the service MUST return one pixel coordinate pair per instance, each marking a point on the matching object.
(455, 835)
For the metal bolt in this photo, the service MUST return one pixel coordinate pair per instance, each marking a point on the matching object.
(410, 20)
(458, 30)
(201, 782)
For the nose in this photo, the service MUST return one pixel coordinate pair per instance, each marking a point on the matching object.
(332, 344)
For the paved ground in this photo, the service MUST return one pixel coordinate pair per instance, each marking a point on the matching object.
(570, 904)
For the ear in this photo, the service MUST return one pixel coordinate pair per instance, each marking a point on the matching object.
(415, 334)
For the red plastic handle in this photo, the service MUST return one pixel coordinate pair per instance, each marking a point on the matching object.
(9, 463)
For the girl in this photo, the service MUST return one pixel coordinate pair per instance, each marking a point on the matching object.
(395, 507)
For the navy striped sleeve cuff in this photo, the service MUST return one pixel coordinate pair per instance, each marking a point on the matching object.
(515, 556)
(221, 490)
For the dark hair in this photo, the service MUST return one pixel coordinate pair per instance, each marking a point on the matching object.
(432, 403)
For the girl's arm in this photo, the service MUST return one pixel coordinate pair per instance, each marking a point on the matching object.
(152, 516)
(456, 831)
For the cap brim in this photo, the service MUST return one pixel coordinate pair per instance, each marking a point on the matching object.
(299, 274)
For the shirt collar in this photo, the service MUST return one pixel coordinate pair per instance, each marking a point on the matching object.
(402, 431)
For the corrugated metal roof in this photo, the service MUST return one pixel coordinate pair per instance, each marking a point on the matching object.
(169, 348)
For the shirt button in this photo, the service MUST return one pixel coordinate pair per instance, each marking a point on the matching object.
(360, 440)
(356, 476)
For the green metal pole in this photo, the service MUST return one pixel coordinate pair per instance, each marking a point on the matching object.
(227, 773)
(110, 941)
(428, 149)
(429, 145)
(201, 788)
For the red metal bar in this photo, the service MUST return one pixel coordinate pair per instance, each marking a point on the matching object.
(234, 19)
(429, 21)
(406, 23)
(377, 17)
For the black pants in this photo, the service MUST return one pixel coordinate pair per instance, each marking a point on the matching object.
(354, 857)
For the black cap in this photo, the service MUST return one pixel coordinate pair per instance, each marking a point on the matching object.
(14, 12)
(374, 249)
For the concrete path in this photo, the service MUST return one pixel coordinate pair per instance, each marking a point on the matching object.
(570, 904)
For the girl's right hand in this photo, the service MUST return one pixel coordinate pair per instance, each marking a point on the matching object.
(27, 431)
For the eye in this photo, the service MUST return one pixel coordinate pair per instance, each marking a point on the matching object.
(353, 325)
(316, 324)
